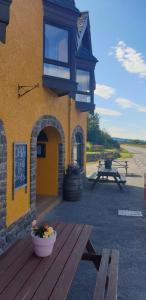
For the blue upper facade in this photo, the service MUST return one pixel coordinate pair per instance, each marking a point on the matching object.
(4, 18)
(68, 59)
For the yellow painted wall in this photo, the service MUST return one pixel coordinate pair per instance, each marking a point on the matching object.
(21, 62)
(47, 168)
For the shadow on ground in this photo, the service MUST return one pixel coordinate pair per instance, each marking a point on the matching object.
(99, 207)
(134, 175)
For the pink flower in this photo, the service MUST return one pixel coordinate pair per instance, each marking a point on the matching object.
(33, 224)
(46, 226)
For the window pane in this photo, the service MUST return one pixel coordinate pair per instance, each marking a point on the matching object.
(56, 71)
(83, 79)
(83, 98)
(56, 43)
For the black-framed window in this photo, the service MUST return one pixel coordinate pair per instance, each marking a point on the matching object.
(56, 71)
(83, 98)
(83, 80)
(56, 43)
(78, 150)
(56, 51)
(84, 92)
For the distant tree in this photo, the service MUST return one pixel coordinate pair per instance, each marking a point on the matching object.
(136, 142)
(93, 130)
(96, 136)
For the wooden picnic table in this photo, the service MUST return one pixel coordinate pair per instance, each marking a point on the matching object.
(24, 276)
(104, 175)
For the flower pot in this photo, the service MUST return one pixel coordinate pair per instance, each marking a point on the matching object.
(43, 247)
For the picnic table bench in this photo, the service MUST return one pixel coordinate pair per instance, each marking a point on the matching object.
(24, 276)
(103, 176)
(116, 164)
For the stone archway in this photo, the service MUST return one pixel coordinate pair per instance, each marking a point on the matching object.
(3, 178)
(80, 132)
(43, 122)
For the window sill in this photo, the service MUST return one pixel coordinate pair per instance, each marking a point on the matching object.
(85, 106)
(60, 86)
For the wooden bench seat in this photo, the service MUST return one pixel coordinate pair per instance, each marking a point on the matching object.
(106, 263)
(107, 276)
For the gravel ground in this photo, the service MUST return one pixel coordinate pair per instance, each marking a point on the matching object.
(99, 207)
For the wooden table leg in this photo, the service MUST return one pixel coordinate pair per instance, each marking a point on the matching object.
(90, 247)
(96, 181)
(118, 183)
(91, 255)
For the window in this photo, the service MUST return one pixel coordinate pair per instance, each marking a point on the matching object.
(78, 150)
(56, 43)
(84, 86)
(56, 71)
(83, 98)
(83, 79)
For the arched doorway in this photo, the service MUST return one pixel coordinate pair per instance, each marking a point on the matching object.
(3, 178)
(47, 162)
(78, 146)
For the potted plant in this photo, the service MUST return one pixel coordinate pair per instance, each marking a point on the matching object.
(108, 161)
(43, 239)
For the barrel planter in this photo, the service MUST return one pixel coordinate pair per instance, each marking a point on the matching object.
(73, 185)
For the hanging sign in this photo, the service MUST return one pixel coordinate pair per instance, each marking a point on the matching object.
(20, 165)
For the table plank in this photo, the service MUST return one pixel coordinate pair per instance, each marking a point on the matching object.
(12, 254)
(17, 265)
(113, 276)
(62, 287)
(47, 285)
(102, 276)
(36, 278)
(18, 272)
(31, 277)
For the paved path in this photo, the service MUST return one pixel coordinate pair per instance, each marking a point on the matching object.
(99, 207)
(139, 156)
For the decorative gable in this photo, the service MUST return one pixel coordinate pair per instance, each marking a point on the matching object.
(85, 65)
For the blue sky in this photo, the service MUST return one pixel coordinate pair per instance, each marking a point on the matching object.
(119, 42)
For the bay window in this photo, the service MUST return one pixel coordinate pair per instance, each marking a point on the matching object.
(56, 71)
(59, 62)
(84, 86)
(56, 52)
(56, 43)
(83, 98)
(83, 80)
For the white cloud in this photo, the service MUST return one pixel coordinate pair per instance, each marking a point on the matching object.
(126, 103)
(141, 108)
(130, 59)
(108, 112)
(104, 91)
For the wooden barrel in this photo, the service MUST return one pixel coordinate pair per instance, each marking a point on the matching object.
(73, 186)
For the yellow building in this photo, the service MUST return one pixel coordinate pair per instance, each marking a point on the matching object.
(46, 89)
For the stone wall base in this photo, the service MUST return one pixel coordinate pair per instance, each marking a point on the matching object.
(18, 230)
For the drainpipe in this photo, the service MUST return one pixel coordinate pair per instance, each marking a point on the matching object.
(69, 129)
